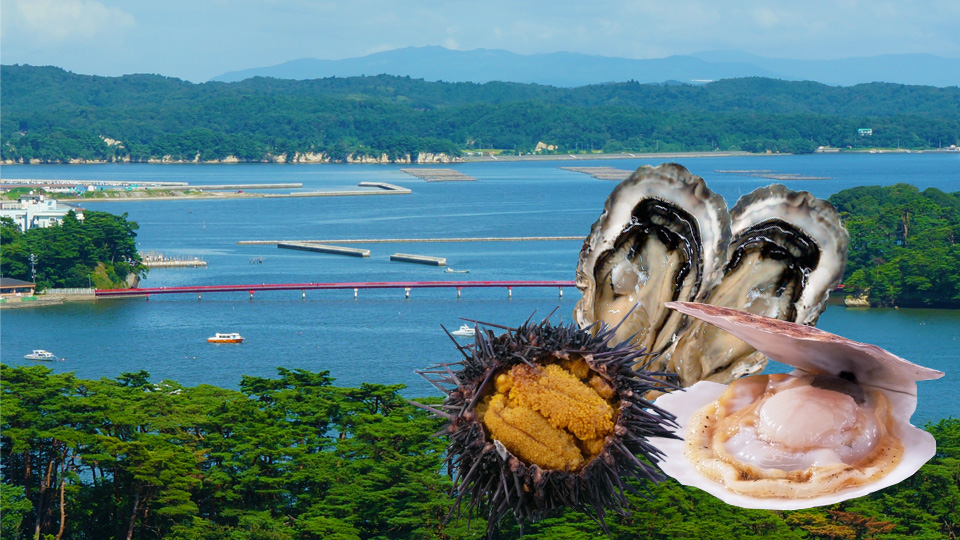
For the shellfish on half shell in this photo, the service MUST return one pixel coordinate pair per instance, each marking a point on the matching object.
(836, 428)
(787, 253)
(664, 236)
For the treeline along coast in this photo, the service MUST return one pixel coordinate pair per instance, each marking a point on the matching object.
(54, 116)
(295, 457)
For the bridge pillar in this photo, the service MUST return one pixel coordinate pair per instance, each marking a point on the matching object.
(561, 291)
(198, 296)
(406, 291)
(251, 294)
(303, 295)
(355, 294)
(458, 293)
(509, 292)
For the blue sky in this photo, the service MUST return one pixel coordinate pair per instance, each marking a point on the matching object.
(200, 39)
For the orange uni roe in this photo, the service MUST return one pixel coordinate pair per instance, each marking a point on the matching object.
(555, 416)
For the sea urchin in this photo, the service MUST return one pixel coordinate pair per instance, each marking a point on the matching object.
(543, 417)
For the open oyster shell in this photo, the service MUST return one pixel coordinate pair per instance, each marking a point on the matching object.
(787, 253)
(810, 351)
(664, 236)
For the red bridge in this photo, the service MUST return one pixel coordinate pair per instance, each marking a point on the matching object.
(407, 286)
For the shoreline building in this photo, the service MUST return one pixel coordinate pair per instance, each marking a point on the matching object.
(36, 211)
(10, 287)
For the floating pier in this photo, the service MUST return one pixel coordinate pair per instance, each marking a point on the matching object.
(325, 248)
(419, 259)
(439, 175)
(602, 173)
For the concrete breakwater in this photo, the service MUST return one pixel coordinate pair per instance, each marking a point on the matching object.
(418, 240)
(383, 189)
(419, 259)
(325, 248)
(231, 191)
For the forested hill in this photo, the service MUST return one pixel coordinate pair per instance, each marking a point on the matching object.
(53, 115)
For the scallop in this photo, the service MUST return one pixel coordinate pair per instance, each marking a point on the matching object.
(788, 251)
(662, 237)
(836, 428)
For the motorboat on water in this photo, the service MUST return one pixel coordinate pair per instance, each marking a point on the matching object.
(225, 338)
(42, 355)
(465, 330)
(452, 271)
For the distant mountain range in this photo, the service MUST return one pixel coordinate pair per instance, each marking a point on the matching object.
(565, 69)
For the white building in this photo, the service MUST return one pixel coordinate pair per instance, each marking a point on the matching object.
(36, 211)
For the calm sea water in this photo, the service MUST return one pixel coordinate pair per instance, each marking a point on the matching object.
(382, 337)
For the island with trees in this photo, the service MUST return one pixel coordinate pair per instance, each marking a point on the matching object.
(904, 245)
(54, 116)
(99, 251)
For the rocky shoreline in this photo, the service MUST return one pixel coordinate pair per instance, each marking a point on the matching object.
(384, 159)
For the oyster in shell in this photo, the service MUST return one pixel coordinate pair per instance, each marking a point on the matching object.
(662, 237)
(836, 428)
(788, 251)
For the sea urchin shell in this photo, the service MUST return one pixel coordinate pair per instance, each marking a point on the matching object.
(543, 417)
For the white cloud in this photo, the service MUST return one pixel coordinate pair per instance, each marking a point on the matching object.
(766, 18)
(58, 21)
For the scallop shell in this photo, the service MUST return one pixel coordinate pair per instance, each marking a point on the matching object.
(812, 351)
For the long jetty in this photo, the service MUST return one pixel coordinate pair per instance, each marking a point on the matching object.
(417, 240)
(407, 286)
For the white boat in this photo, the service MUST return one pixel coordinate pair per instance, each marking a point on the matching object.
(42, 355)
(226, 338)
(452, 271)
(465, 330)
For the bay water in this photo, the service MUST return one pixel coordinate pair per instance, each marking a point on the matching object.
(381, 337)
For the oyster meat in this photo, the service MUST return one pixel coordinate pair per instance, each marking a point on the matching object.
(838, 427)
(787, 253)
(663, 236)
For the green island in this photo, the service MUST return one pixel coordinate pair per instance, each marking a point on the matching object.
(295, 457)
(904, 245)
(99, 251)
(54, 116)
